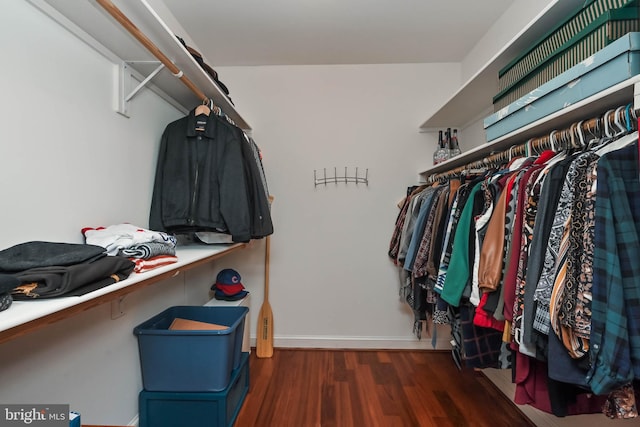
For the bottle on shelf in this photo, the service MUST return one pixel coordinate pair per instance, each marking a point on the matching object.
(454, 148)
(436, 152)
(442, 153)
(447, 142)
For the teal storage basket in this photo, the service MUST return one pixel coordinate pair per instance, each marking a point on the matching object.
(607, 28)
(609, 66)
(220, 409)
(589, 28)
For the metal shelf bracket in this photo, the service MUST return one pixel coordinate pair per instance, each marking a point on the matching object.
(126, 80)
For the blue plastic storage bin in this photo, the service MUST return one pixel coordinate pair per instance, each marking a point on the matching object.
(74, 419)
(168, 409)
(186, 360)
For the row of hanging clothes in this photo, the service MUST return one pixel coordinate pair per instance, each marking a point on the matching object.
(532, 256)
(210, 180)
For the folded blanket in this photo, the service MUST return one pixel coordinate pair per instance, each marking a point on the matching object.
(45, 254)
(73, 280)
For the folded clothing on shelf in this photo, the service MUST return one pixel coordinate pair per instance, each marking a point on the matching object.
(143, 265)
(118, 237)
(52, 269)
(73, 280)
(35, 254)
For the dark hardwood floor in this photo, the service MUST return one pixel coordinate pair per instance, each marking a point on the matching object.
(342, 388)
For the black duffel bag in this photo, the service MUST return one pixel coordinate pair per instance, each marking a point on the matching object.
(212, 73)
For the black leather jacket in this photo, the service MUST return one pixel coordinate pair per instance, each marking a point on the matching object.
(200, 182)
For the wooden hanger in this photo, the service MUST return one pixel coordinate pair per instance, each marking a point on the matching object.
(203, 108)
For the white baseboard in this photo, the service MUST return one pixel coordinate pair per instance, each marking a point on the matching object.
(443, 338)
(355, 343)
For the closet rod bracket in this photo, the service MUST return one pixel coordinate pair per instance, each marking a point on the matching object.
(126, 80)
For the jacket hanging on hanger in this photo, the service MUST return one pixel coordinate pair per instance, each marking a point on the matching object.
(208, 180)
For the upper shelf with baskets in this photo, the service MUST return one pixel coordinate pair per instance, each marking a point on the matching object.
(473, 100)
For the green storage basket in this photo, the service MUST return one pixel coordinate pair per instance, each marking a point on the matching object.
(556, 40)
(584, 33)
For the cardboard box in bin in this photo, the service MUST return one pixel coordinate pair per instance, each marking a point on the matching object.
(192, 360)
(180, 324)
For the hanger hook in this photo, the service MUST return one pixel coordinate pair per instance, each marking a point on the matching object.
(580, 131)
(627, 118)
(596, 132)
(552, 139)
(535, 146)
(607, 130)
(529, 147)
(570, 137)
(617, 119)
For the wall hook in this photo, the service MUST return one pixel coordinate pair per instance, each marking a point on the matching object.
(335, 179)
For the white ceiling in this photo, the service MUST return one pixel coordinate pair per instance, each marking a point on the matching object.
(299, 32)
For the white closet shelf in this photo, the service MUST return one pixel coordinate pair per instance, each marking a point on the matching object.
(92, 24)
(473, 100)
(27, 316)
(615, 96)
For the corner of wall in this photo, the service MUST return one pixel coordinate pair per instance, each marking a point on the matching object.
(505, 28)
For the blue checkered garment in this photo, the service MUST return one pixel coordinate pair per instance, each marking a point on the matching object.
(615, 327)
(481, 347)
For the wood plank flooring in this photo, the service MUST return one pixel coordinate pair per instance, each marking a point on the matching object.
(343, 388)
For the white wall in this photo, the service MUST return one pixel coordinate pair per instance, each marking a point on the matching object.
(332, 283)
(505, 28)
(69, 161)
